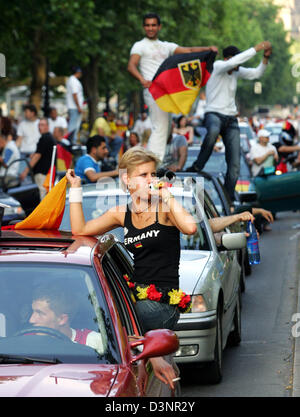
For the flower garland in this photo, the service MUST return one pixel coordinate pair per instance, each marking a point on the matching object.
(172, 297)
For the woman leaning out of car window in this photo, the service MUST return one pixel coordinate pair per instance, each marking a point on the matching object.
(152, 224)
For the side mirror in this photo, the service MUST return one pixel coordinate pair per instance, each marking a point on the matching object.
(233, 241)
(158, 342)
(247, 196)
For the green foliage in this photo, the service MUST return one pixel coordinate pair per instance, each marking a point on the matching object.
(69, 31)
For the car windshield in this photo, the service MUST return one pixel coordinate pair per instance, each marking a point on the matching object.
(56, 313)
(95, 206)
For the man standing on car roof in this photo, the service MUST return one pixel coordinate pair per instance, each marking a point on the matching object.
(145, 58)
(221, 110)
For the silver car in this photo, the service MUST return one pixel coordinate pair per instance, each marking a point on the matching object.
(209, 272)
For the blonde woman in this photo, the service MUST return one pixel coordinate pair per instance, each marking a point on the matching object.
(152, 224)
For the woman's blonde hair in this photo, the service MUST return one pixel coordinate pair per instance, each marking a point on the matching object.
(136, 156)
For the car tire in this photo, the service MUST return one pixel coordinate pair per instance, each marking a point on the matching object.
(213, 370)
(235, 336)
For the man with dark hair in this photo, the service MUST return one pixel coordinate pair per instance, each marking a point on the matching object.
(53, 307)
(221, 111)
(87, 167)
(75, 100)
(28, 131)
(145, 58)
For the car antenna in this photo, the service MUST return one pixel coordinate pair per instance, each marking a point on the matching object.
(2, 207)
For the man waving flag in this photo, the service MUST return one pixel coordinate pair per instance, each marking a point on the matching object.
(178, 80)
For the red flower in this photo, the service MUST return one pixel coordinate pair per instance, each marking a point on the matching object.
(130, 284)
(126, 277)
(153, 294)
(184, 301)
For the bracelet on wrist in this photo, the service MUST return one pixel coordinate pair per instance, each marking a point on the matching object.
(75, 195)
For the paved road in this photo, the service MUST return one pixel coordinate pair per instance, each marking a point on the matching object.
(262, 366)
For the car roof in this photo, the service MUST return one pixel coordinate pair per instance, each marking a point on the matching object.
(51, 246)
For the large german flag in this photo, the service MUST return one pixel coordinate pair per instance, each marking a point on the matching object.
(178, 80)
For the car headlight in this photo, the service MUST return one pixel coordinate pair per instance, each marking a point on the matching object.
(13, 210)
(198, 304)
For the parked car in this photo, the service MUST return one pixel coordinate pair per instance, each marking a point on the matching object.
(40, 360)
(212, 276)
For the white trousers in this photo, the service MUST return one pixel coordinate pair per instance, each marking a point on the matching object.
(161, 125)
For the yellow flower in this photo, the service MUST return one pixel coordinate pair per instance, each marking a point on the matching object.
(175, 296)
(142, 293)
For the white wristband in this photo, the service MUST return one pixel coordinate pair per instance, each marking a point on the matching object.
(75, 195)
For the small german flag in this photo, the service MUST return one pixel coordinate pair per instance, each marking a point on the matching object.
(178, 80)
(138, 245)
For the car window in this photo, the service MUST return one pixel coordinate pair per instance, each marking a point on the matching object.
(34, 295)
(199, 240)
(214, 195)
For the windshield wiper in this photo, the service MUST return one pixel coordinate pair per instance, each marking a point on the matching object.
(4, 358)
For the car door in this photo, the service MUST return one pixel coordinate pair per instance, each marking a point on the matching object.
(118, 265)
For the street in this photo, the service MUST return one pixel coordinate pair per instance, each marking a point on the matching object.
(262, 366)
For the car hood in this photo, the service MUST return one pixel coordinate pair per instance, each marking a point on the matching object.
(192, 264)
(63, 380)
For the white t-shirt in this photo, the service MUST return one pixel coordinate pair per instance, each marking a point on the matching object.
(153, 53)
(10, 153)
(74, 86)
(30, 135)
(221, 86)
(58, 122)
(257, 150)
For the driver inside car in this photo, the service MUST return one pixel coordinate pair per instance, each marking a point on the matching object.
(53, 308)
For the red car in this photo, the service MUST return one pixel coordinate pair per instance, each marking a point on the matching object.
(68, 325)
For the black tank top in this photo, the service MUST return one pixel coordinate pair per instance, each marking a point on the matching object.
(156, 251)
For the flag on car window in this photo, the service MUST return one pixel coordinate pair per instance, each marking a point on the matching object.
(48, 214)
(178, 80)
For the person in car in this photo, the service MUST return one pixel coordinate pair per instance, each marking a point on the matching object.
(52, 307)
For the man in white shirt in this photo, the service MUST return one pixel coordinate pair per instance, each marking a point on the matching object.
(145, 58)
(75, 100)
(221, 110)
(56, 121)
(262, 154)
(28, 133)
